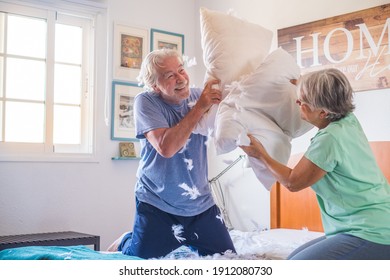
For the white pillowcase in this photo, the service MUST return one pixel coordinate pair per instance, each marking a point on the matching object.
(263, 104)
(232, 47)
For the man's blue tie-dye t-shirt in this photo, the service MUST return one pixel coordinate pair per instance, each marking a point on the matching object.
(177, 185)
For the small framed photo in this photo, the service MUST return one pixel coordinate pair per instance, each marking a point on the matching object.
(160, 39)
(127, 149)
(130, 48)
(122, 117)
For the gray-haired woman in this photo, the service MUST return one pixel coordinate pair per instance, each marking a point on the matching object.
(352, 192)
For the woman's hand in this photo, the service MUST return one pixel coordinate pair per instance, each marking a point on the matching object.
(255, 148)
(304, 174)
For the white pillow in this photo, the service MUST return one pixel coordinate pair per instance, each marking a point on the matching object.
(232, 47)
(270, 91)
(263, 104)
(232, 127)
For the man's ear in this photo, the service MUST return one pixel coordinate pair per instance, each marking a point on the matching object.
(156, 89)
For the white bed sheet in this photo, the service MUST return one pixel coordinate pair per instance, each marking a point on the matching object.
(271, 244)
(274, 244)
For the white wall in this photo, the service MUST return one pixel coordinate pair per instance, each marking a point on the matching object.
(98, 197)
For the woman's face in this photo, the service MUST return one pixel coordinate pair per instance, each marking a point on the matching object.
(173, 82)
(316, 117)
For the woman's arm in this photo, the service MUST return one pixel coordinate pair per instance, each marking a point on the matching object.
(303, 175)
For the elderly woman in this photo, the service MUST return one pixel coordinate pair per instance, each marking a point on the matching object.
(352, 192)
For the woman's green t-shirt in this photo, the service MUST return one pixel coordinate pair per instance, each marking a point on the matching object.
(354, 195)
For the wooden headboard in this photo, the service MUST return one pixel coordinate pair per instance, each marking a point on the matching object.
(297, 210)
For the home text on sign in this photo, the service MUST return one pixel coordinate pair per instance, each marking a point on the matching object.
(355, 43)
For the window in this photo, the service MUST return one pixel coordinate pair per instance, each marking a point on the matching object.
(46, 82)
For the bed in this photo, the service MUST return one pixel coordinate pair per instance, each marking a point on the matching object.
(295, 219)
(269, 244)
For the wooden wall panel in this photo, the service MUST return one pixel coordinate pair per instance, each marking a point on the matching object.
(295, 210)
(381, 151)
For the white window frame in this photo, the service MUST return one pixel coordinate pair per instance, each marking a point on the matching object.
(62, 11)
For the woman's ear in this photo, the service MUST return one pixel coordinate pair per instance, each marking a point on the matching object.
(323, 114)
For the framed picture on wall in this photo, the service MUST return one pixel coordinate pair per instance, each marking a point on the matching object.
(130, 48)
(122, 118)
(160, 39)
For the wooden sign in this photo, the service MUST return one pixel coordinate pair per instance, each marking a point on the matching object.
(356, 43)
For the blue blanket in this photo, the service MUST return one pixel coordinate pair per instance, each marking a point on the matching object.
(61, 253)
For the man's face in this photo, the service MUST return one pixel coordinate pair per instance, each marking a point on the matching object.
(173, 81)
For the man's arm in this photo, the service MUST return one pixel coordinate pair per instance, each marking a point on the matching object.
(168, 141)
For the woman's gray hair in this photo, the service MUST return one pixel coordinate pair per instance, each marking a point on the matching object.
(148, 73)
(327, 89)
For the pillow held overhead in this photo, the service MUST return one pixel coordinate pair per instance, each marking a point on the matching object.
(232, 47)
(263, 104)
(264, 99)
